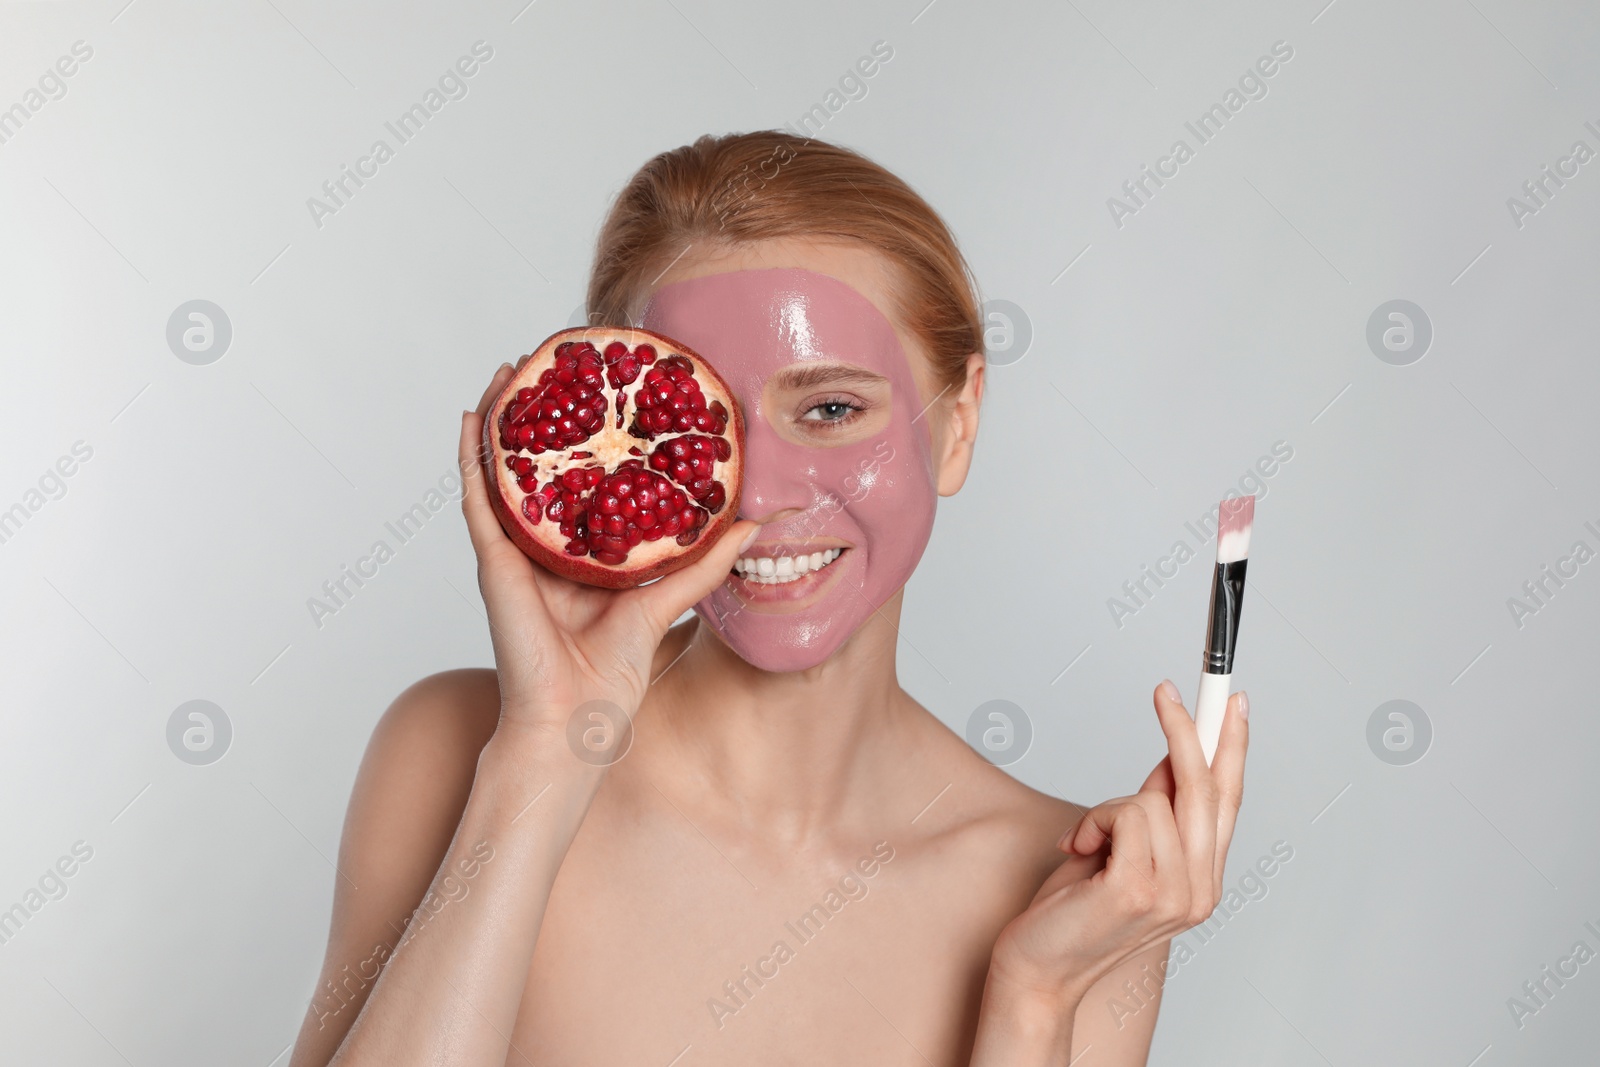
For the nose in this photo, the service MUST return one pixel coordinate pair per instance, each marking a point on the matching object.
(778, 482)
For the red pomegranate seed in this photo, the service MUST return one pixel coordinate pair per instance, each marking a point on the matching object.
(675, 475)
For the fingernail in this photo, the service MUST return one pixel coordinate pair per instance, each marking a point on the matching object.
(750, 540)
(1170, 691)
(1244, 705)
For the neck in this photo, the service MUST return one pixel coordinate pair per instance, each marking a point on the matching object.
(793, 752)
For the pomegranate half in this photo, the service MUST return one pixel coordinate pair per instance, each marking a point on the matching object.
(614, 456)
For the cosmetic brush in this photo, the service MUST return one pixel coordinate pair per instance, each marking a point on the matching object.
(1234, 518)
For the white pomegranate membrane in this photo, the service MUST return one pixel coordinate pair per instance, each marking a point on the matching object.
(616, 455)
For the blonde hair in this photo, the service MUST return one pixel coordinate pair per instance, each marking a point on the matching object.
(748, 187)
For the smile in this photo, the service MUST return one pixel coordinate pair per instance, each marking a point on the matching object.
(778, 570)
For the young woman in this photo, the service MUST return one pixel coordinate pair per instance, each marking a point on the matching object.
(795, 862)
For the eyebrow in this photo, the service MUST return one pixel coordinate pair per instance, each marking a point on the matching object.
(815, 374)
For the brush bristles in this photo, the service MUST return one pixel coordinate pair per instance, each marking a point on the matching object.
(1234, 518)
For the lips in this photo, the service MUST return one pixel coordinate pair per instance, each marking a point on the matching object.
(785, 577)
(782, 566)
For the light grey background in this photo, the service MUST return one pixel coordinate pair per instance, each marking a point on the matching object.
(1167, 356)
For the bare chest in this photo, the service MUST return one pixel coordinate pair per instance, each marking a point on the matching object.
(662, 946)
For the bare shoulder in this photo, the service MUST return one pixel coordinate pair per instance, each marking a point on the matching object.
(420, 762)
(417, 773)
(994, 817)
(442, 717)
(408, 798)
(1022, 821)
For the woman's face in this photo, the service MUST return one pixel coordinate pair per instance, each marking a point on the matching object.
(840, 461)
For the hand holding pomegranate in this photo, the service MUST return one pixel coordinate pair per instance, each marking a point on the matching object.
(559, 642)
(1140, 869)
(587, 471)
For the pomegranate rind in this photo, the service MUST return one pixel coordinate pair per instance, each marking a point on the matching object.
(662, 557)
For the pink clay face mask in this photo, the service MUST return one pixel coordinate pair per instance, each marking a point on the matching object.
(873, 492)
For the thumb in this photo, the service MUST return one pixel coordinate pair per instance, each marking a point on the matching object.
(679, 591)
(1160, 780)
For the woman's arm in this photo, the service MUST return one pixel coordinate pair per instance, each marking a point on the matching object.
(1116, 1022)
(419, 867)
(1139, 870)
(1026, 1026)
(449, 989)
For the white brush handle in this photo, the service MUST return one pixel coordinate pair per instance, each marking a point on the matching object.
(1210, 704)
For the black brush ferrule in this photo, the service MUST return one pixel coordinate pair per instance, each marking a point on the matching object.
(1222, 630)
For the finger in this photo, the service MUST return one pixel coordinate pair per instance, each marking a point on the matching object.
(1123, 825)
(1183, 741)
(1073, 869)
(1167, 847)
(1160, 780)
(470, 454)
(1227, 768)
(1091, 830)
(1172, 891)
(497, 383)
(1194, 796)
(679, 591)
(482, 525)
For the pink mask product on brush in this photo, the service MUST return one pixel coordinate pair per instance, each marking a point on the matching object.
(867, 506)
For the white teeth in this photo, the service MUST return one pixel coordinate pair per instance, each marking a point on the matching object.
(775, 570)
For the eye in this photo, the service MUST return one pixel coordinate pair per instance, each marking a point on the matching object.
(835, 411)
